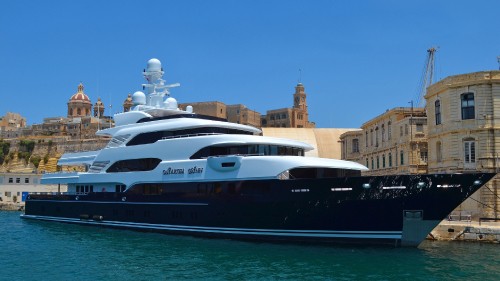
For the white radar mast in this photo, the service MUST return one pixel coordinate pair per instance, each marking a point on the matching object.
(156, 88)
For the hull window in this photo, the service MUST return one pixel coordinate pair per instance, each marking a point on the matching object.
(315, 173)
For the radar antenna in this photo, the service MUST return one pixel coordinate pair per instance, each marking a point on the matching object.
(156, 87)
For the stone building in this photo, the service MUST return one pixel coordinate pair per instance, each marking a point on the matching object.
(11, 125)
(295, 117)
(237, 113)
(464, 133)
(392, 143)
(456, 133)
(79, 123)
(210, 108)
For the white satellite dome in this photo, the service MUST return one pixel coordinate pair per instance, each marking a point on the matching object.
(154, 65)
(139, 98)
(170, 103)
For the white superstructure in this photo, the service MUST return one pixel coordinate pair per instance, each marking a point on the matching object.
(157, 142)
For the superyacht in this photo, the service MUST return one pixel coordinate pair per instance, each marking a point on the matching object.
(174, 171)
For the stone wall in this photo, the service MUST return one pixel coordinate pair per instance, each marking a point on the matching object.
(49, 149)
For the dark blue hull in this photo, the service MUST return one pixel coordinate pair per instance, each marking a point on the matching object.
(386, 210)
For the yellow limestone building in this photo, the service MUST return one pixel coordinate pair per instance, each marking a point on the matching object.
(464, 133)
(394, 142)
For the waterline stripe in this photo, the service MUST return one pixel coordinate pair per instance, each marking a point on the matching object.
(241, 231)
(123, 202)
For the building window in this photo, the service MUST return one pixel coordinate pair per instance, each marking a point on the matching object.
(378, 162)
(355, 145)
(420, 128)
(406, 129)
(400, 131)
(11, 180)
(371, 137)
(437, 110)
(376, 136)
(383, 160)
(26, 180)
(390, 160)
(383, 132)
(467, 106)
(423, 156)
(389, 133)
(469, 152)
(366, 140)
(18, 180)
(366, 162)
(373, 165)
(439, 152)
(401, 156)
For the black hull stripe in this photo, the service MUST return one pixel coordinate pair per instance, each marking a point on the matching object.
(235, 231)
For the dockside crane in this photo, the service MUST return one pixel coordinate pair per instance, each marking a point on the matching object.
(427, 76)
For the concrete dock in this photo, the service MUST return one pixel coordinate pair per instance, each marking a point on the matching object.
(485, 231)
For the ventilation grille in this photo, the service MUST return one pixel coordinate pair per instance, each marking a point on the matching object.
(117, 140)
(97, 166)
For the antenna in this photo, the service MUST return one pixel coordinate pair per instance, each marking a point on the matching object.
(110, 112)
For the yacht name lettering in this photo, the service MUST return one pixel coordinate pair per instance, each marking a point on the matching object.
(171, 171)
(195, 170)
(181, 171)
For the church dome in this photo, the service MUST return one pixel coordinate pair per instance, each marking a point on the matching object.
(80, 95)
(79, 104)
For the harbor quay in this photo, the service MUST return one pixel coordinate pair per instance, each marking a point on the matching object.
(470, 231)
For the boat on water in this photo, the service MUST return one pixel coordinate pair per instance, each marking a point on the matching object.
(174, 171)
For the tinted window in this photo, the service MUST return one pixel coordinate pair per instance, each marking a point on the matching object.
(152, 137)
(247, 150)
(144, 164)
(308, 173)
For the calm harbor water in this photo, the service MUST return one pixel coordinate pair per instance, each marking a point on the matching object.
(34, 250)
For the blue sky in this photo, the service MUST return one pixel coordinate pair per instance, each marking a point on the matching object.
(358, 58)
